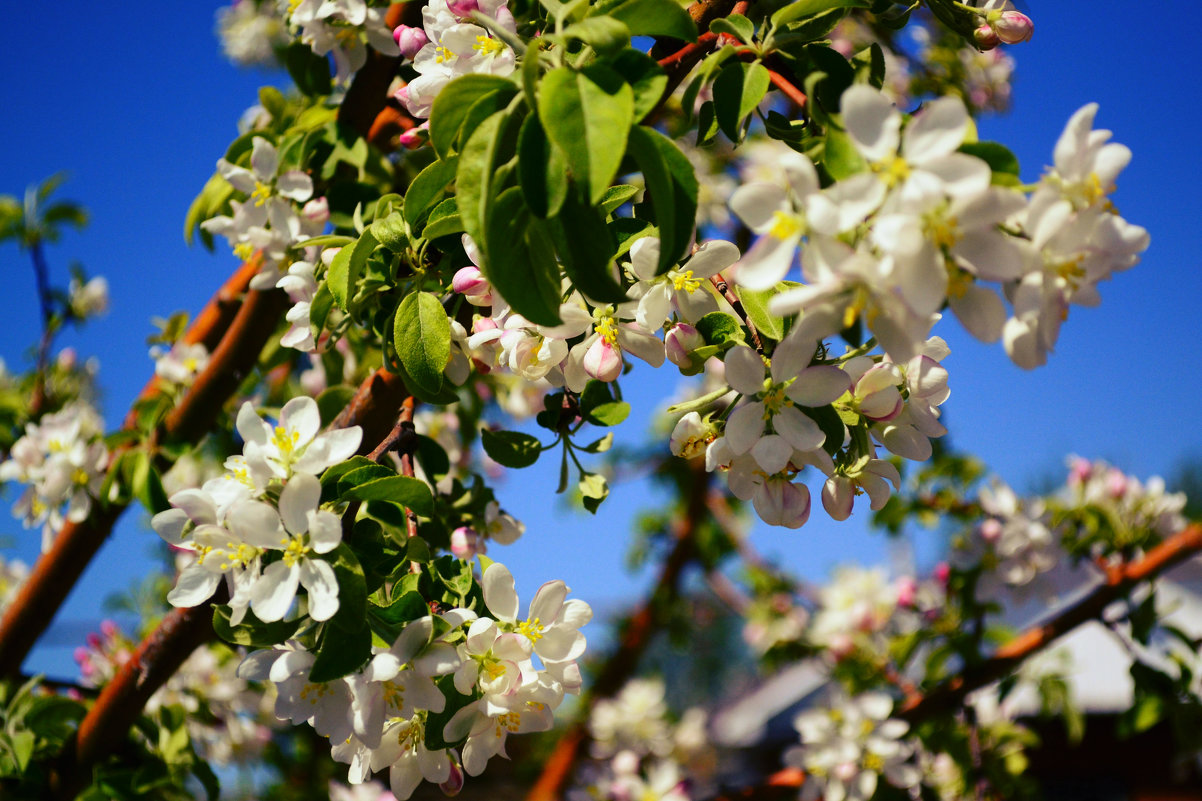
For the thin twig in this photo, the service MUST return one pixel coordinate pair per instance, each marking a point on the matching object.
(720, 284)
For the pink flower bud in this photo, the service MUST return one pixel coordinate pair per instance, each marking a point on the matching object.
(414, 138)
(602, 360)
(1013, 27)
(986, 38)
(838, 495)
(484, 324)
(471, 283)
(463, 8)
(317, 211)
(779, 502)
(465, 543)
(66, 359)
(942, 572)
(402, 96)
(1116, 484)
(680, 342)
(410, 40)
(991, 530)
(108, 628)
(907, 591)
(1079, 471)
(454, 782)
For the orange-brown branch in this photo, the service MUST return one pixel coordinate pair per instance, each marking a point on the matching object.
(635, 638)
(1120, 579)
(56, 572)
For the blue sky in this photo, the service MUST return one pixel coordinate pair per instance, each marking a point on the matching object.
(138, 106)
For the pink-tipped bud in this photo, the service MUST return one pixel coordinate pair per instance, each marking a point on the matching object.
(602, 360)
(463, 8)
(838, 495)
(991, 530)
(410, 40)
(465, 543)
(484, 324)
(471, 283)
(779, 502)
(402, 96)
(679, 344)
(1014, 27)
(986, 37)
(1116, 484)
(454, 782)
(1079, 471)
(942, 572)
(66, 359)
(907, 591)
(414, 138)
(317, 211)
(108, 628)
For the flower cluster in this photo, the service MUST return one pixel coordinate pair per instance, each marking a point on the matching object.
(62, 459)
(228, 720)
(269, 221)
(641, 754)
(345, 28)
(1138, 505)
(847, 747)
(250, 32)
(261, 526)
(483, 668)
(450, 45)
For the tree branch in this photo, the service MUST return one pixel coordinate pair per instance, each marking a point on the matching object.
(1120, 579)
(637, 635)
(56, 572)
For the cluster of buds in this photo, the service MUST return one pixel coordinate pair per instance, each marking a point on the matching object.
(1001, 24)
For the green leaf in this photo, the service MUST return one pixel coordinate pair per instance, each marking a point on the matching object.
(406, 607)
(999, 158)
(473, 180)
(404, 491)
(756, 305)
(391, 232)
(352, 588)
(672, 185)
(329, 241)
(645, 76)
(838, 75)
(603, 34)
(422, 335)
(310, 72)
(252, 632)
(428, 187)
(456, 100)
(586, 250)
(586, 114)
(510, 448)
(599, 407)
(840, 156)
(522, 265)
(212, 197)
(615, 196)
(444, 220)
(594, 489)
(601, 445)
(736, 25)
(738, 89)
(811, 8)
(655, 18)
(720, 328)
(542, 170)
(340, 652)
(347, 268)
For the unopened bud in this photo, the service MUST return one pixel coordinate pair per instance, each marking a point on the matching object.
(680, 342)
(471, 283)
(410, 40)
(1013, 27)
(602, 360)
(907, 591)
(838, 495)
(991, 530)
(986, 37)
(317, 211)
(401, 96)
(1116, 484)
(1079, 471)
(454, 782)
(414, 138)
(465, 543)
(942, 572)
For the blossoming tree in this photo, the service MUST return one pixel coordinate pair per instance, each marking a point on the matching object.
(455, 234)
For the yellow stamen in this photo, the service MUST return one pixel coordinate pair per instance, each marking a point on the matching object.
(685, 281)
(261, 194)
(487, 46)
(784, 225)
(532, 628)
(294, 551)
(607, 329)
(443, 54)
